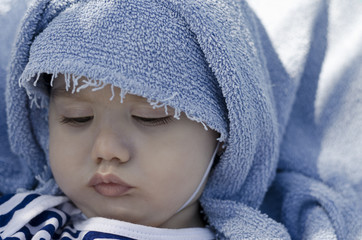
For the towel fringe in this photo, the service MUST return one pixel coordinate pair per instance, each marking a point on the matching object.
(37, 79)
(197, 120)
(122, 94)
(72, 82)
(75, 83)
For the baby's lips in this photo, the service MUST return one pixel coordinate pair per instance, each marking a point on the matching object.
(109, 185)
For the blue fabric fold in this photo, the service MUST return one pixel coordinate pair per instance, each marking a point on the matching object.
(12, 172)
(317, 191)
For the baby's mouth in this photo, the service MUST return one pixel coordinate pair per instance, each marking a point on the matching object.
(109, 185)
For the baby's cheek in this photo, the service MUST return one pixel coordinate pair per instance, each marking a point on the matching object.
(61, 165)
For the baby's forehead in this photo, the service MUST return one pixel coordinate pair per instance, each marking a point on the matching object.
(59, 88)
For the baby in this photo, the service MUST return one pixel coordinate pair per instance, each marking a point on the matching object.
(120, 115)
(131, 162)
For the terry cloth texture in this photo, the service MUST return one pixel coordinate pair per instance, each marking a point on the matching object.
(10, 14)
(318, 189)
(209, 59)
(33, 216)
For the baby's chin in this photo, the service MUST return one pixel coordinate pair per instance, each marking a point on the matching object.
(152, 219)
(125, 216)
(120, 214)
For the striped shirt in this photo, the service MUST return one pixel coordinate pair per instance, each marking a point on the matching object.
(34, 216)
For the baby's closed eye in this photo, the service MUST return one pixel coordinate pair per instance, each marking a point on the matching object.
(153, 121)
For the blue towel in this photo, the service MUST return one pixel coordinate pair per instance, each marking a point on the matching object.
(318, 189)
(12, 171)
(227, 48)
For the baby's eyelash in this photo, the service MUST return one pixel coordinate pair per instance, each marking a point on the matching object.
(76, 120)
(153, 121)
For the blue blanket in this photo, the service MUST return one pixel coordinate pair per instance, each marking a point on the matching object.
(11, 13)
(318, 189)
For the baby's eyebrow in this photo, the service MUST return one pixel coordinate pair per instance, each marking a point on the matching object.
(61, 92)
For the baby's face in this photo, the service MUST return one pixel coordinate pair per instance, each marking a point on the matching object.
(126, 161)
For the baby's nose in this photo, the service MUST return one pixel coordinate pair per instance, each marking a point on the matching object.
(110, 146)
